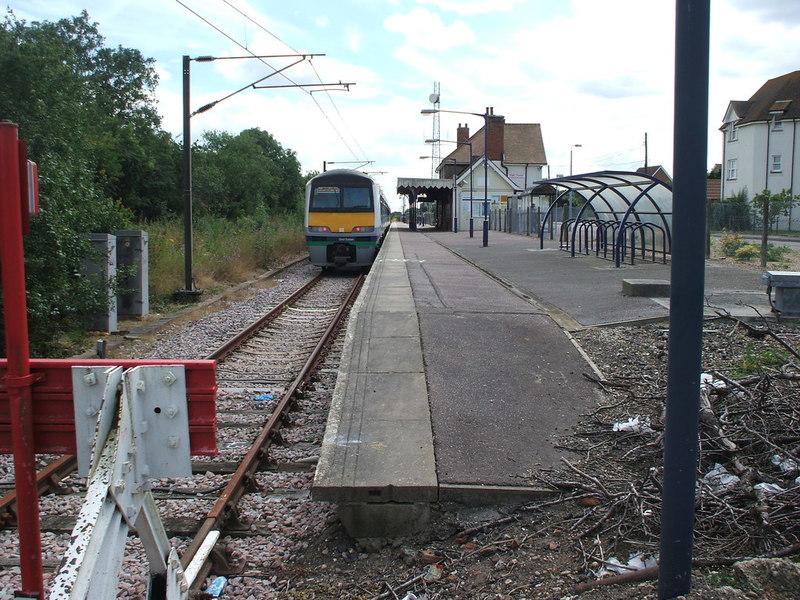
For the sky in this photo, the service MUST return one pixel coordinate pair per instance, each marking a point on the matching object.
(597, 75)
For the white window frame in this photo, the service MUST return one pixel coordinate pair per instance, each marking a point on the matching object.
(777, 124)
(733, 133)
(733, 168)
(776, 164)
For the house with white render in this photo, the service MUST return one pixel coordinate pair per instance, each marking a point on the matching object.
(761, 147)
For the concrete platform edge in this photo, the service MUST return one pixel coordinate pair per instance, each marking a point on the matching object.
(377, 458)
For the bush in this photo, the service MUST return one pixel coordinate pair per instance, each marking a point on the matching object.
(777, 253)
(730, 243)
(747, 252)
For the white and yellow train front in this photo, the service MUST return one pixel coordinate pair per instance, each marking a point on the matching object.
(346, 218)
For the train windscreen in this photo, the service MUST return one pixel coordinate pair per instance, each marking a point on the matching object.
(346, 199)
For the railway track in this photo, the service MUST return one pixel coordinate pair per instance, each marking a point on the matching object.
(275, 378)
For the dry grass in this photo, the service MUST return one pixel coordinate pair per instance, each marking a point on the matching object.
(223, 252)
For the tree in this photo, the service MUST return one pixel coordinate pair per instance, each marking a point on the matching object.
(77, 103)
(234, 176)
(766, 208)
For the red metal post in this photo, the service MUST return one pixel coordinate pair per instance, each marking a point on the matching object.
(18, 378)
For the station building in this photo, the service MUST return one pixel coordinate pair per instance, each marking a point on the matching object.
(515, 157)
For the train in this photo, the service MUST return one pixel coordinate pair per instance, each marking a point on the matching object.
(346, 219)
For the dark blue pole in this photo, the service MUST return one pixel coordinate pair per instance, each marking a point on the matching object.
(486, 178)
(686, 297)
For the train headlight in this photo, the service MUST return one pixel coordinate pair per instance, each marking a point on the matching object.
(363, 229)
(319, 229)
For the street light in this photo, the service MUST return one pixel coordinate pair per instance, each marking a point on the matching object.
(570, 173)
(189, 291)
(570, 155)
(486, 115)
(455, 210)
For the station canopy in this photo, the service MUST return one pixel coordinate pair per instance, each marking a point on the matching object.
(622, 196)
(432, 189)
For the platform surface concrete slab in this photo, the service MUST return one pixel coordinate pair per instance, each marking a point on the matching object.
(459, 374)
(587, 290)
(504, 380)
(378, 444)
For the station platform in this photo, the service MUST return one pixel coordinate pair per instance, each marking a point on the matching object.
(459, 371)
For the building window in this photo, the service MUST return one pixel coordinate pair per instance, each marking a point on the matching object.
(733, 167)
(776, 164)
(733, 133)
(777, 124)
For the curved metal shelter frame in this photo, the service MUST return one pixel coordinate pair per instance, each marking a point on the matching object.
(624, 202)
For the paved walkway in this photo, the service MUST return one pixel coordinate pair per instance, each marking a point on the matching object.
(586, 290)
(459, 374)
(504, 381)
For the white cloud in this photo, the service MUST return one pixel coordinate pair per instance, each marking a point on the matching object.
(599, 74)
(353, 39)
(426, 30)
(473, 7)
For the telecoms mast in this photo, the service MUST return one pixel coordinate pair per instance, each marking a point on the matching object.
(436, 151)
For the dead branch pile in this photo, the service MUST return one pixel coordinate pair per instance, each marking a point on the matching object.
(748, 481)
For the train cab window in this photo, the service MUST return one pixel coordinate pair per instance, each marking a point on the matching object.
(356, 198)
(325, 197)
(341, 198)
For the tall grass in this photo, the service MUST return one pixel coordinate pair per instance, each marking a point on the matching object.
(223, 252)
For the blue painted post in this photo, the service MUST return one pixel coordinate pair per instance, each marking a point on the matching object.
(686, 299)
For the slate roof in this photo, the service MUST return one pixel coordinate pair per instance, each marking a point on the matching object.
(522, 144)
(656, 171)
(780, 96)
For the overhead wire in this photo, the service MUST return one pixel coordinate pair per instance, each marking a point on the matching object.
(313, 68)
(289, 79)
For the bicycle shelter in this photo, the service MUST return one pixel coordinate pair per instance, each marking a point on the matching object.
(622, 213)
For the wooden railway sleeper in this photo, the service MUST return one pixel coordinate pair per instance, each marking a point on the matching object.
(216, 516)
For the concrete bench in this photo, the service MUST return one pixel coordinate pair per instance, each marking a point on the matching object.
(650, 288)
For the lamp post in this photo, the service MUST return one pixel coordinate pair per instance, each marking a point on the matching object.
(471, 221)
(189, 291)
(570, 155)
(486, 115)
(570, 172)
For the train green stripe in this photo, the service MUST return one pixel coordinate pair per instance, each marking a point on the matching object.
(336, 242)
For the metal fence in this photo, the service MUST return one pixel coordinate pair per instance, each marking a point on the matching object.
(739, 216)
(523, 217)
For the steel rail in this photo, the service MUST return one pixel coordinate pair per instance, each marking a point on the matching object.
(46, 479)
(50, 476)
(228, 347)
(243, 476)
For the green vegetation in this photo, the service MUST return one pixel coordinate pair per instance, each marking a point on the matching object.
(755, 361)
(767, 207)
(224, 251)
(88, 113)
(734, 245)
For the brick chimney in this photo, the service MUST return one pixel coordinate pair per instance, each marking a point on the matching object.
(462, 133)
(495, 128)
